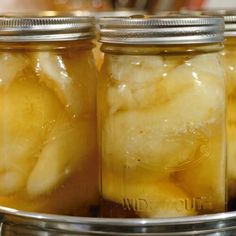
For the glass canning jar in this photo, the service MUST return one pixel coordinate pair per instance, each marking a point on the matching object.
(229, 62)
(161, 117)
(48, 153)
(98, 54)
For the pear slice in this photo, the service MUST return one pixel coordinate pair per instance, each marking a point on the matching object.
(28, 110)
(161, 84)
(157, 136)
(147, 199)
(206, 178)
(69, 145)
(228, 60)
(168, 136)
(142, 139)
(72, 77)
(136, 71)
(12, 64)
(131, 74)
(209, 63)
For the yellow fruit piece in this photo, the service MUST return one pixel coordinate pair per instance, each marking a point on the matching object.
(167, 137)
(81, 67)
(130, 75)
(209, 63)
(28, 110)
(161, 84)
(162, 133)
(207, 176)
(162, 123)
(72, 76)
(194, 72)
(144, 139)
(231, 151)
(67, 148)
(136, 71)
(12, 180)
(120, 97)
(228, 59)
(231, 111)
(16, 163)
(12, 64)
(147, 199)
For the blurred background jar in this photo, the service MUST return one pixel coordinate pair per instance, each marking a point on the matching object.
(54, 5)
(150, 6)
(229, 61)
(48, 153)
(161, 117)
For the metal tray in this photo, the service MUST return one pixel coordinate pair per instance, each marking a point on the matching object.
(14, 222)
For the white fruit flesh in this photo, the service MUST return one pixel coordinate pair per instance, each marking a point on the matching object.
(41, 144)
(159, 119)
(57, 77)
(27, 110)
(65, 74)
(67, 147)
(129, 90)
(11, 65)
(158, 136)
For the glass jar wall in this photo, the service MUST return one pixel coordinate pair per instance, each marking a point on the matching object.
(228, 57)
(161, 120)
(229, 61)
(47, 119)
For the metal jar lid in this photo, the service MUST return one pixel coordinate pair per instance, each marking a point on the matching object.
(230, 22)
(229, 18)
(161, 30)
(45, 28)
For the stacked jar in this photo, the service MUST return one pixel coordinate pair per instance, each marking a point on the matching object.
(48, 115)
(229, 61)
(161, 116)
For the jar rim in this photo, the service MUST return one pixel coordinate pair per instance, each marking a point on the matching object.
(16, 28)
(163, 30)
(229, 20)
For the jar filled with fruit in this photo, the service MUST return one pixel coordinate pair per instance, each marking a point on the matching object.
(161, 116)
(229, 62)
(48, 153)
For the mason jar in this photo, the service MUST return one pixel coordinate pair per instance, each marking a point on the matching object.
(161, 117)
(229, 61)
(48, 153)
(98, 54)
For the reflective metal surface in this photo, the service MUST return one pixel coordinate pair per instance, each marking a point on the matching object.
(16, 28)
(229, 18)
(22, 223)
(161, 30)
